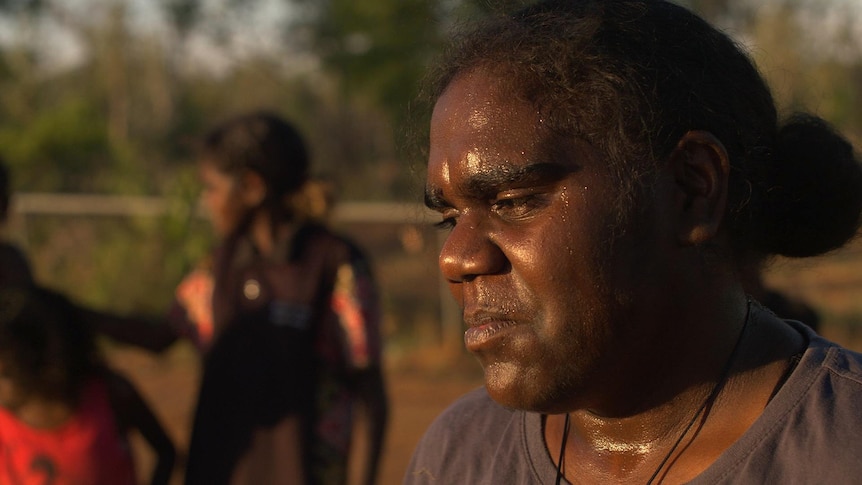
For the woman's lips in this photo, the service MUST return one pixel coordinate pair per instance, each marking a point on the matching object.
(483, 331)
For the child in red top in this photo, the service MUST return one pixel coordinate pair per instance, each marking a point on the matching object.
(63, 416)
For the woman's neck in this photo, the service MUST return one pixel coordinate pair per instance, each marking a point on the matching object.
(262, 233)
(660, 439)
(265, 232)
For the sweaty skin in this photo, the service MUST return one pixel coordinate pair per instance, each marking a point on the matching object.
(575, 305)
(528, 257)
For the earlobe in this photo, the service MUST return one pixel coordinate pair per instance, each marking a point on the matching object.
(701, 168)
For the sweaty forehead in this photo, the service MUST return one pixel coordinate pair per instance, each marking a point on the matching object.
(478, 121)
(480, 102)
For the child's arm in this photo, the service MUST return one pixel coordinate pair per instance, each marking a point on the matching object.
(371, 390)
(153, 336)
(356, 303)
(133, 412)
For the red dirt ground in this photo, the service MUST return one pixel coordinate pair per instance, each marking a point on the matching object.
(169, 383)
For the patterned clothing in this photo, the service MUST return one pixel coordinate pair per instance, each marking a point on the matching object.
(318, 296)
(351, 344)
(88, 449)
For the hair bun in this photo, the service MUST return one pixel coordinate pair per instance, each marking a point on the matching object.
(814, 197)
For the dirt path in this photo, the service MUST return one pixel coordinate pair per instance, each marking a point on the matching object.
(169, 383)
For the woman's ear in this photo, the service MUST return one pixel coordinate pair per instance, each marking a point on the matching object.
(701, 168)
(253, 189)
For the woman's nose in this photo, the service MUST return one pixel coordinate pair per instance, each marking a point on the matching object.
(469, 252)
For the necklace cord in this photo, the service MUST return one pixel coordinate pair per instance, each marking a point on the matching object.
(562, 450)
(722, 380)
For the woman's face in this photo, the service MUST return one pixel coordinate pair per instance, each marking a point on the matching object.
(551, 290)
(223, 198)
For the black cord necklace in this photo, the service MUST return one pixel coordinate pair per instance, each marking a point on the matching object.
(725, 373)
(563, 450)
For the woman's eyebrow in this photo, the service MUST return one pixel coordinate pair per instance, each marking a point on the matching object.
(488, 181)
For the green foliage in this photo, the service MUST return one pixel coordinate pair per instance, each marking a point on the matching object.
(378, 49)
(63, 149)
(21, 5)
(127, 265)
(182, 14)
(124, 119)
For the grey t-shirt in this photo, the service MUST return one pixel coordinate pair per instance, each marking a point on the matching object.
(811, 432)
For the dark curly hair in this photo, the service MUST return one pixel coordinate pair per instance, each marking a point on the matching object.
(631, 77)
(264, 143)
(47, 350)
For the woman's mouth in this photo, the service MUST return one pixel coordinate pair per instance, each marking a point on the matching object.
(482, 332)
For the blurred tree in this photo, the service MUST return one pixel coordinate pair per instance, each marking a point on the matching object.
(376, 53)
(182, 15)
(122, 118)
(378, 50)
(21, 5)
(55, 151)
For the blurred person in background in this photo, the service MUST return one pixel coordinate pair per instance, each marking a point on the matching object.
(281, 283)
(15, 272)
(607, 171)
(64, 416)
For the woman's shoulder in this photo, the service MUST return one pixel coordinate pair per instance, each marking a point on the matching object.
(467, 442)
(475, 411)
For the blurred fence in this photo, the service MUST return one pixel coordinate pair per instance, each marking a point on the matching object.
(128, 253)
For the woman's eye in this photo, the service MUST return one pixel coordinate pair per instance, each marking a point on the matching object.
(449, 219)
(447, 223)
(516, 207)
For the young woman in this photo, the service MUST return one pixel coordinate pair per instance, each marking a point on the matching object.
(294, 323)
